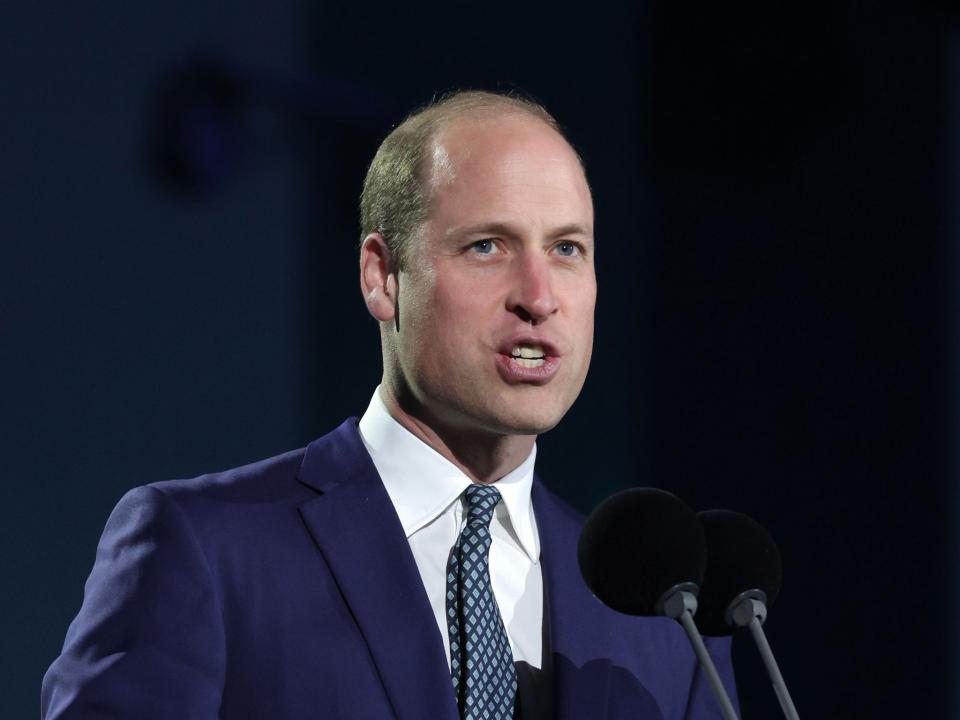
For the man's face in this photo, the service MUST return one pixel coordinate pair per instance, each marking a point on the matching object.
(497, 300)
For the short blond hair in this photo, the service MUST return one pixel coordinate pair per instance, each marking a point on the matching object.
(394, 201)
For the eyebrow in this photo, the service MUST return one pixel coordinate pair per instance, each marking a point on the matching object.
(509, 230)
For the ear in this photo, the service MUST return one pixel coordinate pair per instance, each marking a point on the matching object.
(378, 279)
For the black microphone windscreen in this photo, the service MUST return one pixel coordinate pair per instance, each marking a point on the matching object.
(741, 556)
(638, 544)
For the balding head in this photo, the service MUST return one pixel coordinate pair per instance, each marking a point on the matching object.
(396, 192)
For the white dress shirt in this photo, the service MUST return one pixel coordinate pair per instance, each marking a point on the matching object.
(427, 491)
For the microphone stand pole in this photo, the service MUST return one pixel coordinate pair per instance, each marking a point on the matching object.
(681, 604)
(752, 612)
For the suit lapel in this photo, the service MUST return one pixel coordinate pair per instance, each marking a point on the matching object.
(569, 618)
(359, 534)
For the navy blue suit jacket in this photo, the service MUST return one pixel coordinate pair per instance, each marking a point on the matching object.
(287, 590)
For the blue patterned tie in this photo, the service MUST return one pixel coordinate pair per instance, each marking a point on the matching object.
(481, 662)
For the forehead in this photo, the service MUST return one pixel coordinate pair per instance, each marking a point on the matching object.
(506, 168)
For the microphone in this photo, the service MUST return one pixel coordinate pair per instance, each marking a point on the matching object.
(741, 582)
(643, 552)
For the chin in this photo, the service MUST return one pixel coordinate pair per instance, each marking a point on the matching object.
(534, 410)
(528, 410)
(530, 422)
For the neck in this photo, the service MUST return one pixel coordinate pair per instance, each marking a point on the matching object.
(482, 456)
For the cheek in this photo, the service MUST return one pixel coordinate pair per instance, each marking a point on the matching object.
(584, 324)
(458, 304)
(422, 307)
(582, 303)
(432, 324)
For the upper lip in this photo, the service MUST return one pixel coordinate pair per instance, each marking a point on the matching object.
(507, 346)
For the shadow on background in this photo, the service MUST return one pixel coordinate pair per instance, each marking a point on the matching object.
(179, 288)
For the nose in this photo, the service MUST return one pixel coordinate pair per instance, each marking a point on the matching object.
(532, 295)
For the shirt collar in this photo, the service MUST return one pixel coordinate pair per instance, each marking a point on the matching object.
(422, 483)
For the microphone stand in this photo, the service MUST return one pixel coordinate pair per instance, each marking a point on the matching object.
(751, 611)
(680, 603)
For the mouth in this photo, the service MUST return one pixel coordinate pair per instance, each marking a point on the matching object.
(529, 355)
(528, 361)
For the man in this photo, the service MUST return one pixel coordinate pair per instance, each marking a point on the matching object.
(409, 565)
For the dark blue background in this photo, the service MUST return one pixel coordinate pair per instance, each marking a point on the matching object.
(775, 196)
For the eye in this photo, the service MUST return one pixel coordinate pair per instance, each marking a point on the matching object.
(568, 249)
(484, 247)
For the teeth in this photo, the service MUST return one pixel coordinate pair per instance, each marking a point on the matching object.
(528, 352)
(528, 356)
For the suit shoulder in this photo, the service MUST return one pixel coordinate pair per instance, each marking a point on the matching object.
(261, 481)
(212, 514)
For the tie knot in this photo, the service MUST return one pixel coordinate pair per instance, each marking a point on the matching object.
(481, 502)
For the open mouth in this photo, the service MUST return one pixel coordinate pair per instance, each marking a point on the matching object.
(528, 356)
(528, 363)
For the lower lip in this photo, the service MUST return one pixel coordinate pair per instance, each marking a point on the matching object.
(513, 372)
